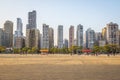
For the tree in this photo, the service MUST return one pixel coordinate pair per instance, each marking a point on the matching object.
(96, 50)
(25, 50)
(107, 49)
(29, 51)
(101, 49)
(118, 49)
(2, 49)
(75, 49)
(79, 49)
(110, 49)
(65, 50)
(34, 50)
(15, 50)
(114, 49)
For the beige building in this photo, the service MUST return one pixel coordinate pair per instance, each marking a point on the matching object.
(19, 42)
(8, 34)
(33, 38)
(71, 36)
(104, 33)
(118, 37)
(51, 38)
(111, 35)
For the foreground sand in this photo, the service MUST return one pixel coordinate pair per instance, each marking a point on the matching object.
(59, 67)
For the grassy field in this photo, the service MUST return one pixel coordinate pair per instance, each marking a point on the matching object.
(59, 67)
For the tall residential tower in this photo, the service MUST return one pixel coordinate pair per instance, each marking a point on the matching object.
(18, 31)
(19, 39)
(71, 36)
(90, 38)
(60, 36)
(32, 20)
(51, 38)
(45, 42)
(32, 33)
(79, 35)
(8, 35)
(111, 35)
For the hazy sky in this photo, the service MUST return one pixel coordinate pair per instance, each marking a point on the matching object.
(90, 13)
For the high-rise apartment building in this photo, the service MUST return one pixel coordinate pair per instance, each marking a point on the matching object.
(41, 41)
(104, 33)
(32, 20)
(32, 33)
(33, 38)
(45, 38)
(90, 38)
(51, 38)
(19, 42)
(60, 36)
(98, 37)
(66, 43)
(71, 36)
(1, 37)
(111, 35)
(79, 35)
(8, 34)
(18, 31)
(118, 37)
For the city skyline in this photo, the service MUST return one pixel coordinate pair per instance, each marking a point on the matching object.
(110, 34)
(92, 14)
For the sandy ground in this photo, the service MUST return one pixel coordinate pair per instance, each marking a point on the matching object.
(59, 67)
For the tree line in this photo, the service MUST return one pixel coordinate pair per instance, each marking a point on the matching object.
(109, 49)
